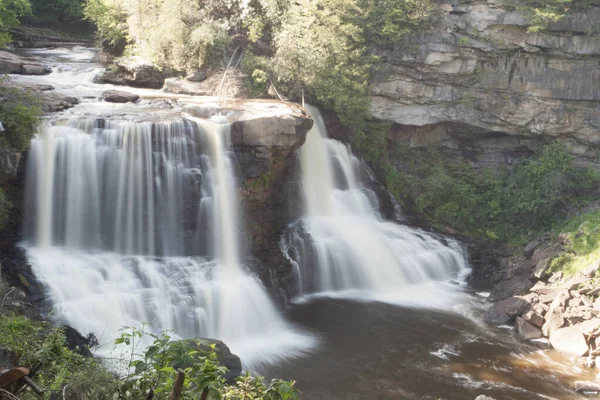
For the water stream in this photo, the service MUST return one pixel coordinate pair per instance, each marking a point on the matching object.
(133, 217)
(131, 222)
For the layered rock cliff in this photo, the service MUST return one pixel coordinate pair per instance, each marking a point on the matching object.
(480, 85)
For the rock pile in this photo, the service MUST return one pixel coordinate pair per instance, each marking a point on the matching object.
(564, 309)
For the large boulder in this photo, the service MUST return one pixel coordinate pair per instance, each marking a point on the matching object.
(119, 96)
(569, 340)
(132, 72)
(526, 330)
(11, 63)
(506, 310)
(555, 317)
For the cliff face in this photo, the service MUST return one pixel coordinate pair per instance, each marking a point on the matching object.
(480, 85)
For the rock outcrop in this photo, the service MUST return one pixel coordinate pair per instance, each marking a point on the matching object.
(479, 84)
(119, 96)
(132, 72)
(11, 63)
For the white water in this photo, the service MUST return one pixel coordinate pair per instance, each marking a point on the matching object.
(133, 223)
(344, 247)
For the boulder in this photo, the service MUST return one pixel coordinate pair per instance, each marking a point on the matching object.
(11, 63)
(197, 76)
(569, 340)
(506, 310)
(53, 102)
(224, 355)
(534, 318)
(586, 386)
(484, 397)
(574, 283)
(557, 276)
(119, 96)
(543, 289)
(541, 268)
(527, 330)
(132, 72)
(530, 247)
(555, 317)
(590, 327)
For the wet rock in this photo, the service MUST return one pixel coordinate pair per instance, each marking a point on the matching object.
(484, 397)
(534, 318)
(11, 63)
(569, 340)
(527, 330)
(586, 386)
(119, 96)
(506, 310)
(9, 160)
(53, 102)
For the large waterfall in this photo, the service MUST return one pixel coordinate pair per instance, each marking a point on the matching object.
(343, 246)
(137, 222)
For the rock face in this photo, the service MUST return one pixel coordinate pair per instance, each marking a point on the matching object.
(270, 191)
(11, 63)
(119, 96)
(482, 86)
(132, 72)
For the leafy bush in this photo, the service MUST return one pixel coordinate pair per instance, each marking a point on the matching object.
(57, 369)
(20, 113)
(543, 12)
(512, 204)
(157, 366)
(53, 366)
(10, 13)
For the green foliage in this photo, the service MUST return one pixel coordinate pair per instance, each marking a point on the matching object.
(581, 235)
(510, 204)
(256, 71)
(389, 21)
(110, 20)
(156, 369)
(541, 13)
(20, 113)
(54, 367)
(10, 13)
(63, 13)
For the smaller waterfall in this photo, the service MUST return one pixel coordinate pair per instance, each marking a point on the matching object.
(343, 246)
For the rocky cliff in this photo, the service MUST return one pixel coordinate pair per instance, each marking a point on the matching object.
(480, 85)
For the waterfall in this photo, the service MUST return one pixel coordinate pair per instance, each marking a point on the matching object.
(342, 245)
(137, 222)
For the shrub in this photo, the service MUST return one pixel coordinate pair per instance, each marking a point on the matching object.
(10, 13)
(20, 113)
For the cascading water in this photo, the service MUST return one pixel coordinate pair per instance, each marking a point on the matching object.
(135, 222)
(342, 244)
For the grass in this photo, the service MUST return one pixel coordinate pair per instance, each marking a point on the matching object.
(583, 244)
